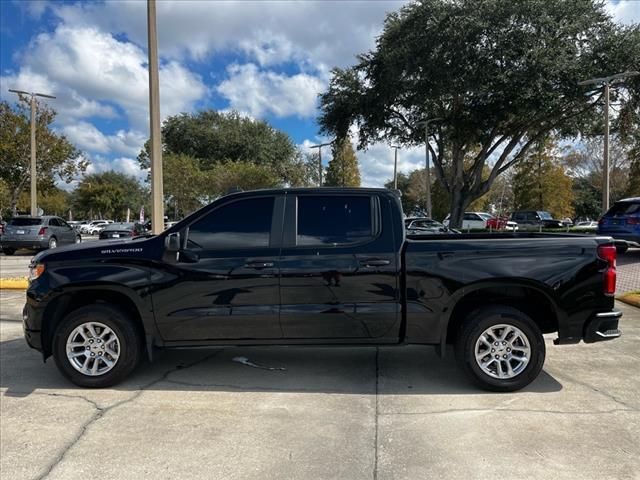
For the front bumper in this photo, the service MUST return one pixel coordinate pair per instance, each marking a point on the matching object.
(31, 319)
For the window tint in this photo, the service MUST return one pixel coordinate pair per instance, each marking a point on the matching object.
(624, 208)
(25, 222)
(333, 220)
(54, 222)
(471, 216)
(241, 224)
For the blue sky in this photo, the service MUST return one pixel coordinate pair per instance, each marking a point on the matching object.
(266, 59)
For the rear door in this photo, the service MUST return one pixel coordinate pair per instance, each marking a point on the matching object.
(339, 270)
(223, 285)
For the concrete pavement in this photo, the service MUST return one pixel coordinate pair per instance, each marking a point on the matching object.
(344, 413)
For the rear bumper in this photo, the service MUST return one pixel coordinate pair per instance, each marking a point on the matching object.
(33, 244)
(600, 328)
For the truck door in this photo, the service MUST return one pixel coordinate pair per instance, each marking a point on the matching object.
(223, 285)
(339, 269)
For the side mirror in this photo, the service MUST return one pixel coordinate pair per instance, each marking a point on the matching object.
(172, 242)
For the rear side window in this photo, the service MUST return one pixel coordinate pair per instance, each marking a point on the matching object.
(25, 222)
(334, 220)
(624, 208)
(54, 222)
(241, 224)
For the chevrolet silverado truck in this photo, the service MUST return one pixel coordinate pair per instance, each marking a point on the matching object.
(319, 266)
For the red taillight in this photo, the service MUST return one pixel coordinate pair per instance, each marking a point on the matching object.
(633, 221)
(608, 253)
(42, 231)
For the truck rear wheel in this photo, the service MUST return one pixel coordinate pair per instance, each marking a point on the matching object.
(500, 348)
(96, 346)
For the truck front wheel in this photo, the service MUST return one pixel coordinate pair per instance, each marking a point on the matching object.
(500, 348)
(96, 346)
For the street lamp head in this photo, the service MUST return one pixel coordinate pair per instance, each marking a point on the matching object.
(617, 76)
(43, 95)
(19, 92)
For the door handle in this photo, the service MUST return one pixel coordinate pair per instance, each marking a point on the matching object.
(258, 265)
(374, 262)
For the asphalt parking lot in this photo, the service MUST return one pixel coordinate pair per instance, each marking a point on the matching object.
(343, 413)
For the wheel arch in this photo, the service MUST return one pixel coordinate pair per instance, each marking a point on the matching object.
(72, 298)
(530, 298)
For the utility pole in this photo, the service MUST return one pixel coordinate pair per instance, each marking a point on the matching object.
(157, 196)
(319, 147)
(607, 81)
(34, 195)
(395, 166)
(427, 175)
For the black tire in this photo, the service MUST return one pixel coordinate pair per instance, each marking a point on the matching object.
(481, 320)
(78, 239)
(9, 251)
(130, 344)
(53, 242)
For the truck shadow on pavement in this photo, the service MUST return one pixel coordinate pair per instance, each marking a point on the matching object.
(411, 370)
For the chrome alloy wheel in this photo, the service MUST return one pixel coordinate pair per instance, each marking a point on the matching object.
(93, 348)
(502, 351)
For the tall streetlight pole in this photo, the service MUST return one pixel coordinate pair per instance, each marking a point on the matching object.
(319, 147)
(34, 195)
(395, 166)
(607, 81)
(427, 175)
(157, 203)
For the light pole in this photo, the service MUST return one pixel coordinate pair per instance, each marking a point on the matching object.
(427, 175)
(319, 147)
(606, 81)
(34, 196)
(157, 203)
(395, 166)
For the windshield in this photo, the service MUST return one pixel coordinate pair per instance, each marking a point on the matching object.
(25, 222)
(486, 216)
(545, 216)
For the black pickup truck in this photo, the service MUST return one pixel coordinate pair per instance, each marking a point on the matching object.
(319, 266)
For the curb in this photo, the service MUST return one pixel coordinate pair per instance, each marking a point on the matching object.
(19, 283)
(632, 299)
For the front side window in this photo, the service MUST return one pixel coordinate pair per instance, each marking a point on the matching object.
(333, 220)
(241, 224)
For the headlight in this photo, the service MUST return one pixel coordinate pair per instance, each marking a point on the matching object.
(35, 271)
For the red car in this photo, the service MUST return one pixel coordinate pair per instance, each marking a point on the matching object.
(502, 223)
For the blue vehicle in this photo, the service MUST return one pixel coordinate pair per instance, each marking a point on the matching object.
(622, 221)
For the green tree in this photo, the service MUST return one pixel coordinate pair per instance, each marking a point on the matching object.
(226, 177)
(184, 183)
(55, 201)
(633, 188)
(540, 183)
(108, 194)
(501, 74)
(343, 168)
(587, 200)
(214, 138)
(56, 157)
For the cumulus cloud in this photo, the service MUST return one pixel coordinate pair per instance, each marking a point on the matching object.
(90, 71)
(259, 92)
(329, 32)
(126, 165)
(87, 137)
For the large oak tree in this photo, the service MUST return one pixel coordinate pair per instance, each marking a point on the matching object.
(501, 74)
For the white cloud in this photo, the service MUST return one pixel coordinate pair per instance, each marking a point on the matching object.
(87, 137)
(624, 11)
(90, 70)
(328, 32)
(99, 164)
(260, 92)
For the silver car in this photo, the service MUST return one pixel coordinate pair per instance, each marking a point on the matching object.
(37, 233)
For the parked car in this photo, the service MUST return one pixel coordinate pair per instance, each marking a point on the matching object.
(536, 218)
(37, 233)
(424, 226)
(471, 220)
(320, 266)
(586, 225)
(94, 228)
(88, 226)
(169, 224)
(622, 221)
(121, 230)
(502, 223)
